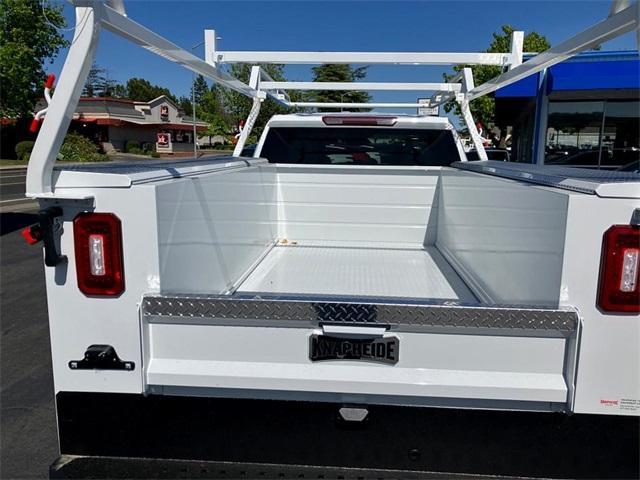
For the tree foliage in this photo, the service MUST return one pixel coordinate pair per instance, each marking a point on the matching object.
(338, 73)
(236, 106)
(27, 42)
(200, 88)
(99, 84)
(77, 148)
(483, 108)
(142, 90)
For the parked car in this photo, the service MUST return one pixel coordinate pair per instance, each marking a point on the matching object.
(500, 154)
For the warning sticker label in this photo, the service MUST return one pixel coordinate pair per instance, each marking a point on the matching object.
(631, 404)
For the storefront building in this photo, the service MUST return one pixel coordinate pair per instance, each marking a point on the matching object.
(582, 112)
(112, 122)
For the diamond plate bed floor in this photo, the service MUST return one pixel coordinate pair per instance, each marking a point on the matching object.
(384, 272)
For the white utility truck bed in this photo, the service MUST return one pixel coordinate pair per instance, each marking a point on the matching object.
(305, 305)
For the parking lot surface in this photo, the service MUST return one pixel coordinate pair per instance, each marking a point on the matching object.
(28, 432)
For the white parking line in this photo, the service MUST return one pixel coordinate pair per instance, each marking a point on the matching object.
(14, 200)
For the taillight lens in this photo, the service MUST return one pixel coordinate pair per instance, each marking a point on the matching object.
(620, 265)
(360, 120)
(98, 247)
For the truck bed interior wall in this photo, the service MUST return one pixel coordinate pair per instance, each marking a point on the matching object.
(214, 227)
(500, 235)
(357, 204)
(504, 237)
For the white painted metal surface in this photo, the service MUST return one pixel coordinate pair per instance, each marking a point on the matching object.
(352, 205)
(213, 228)
(488, 226)
(431, 365)
(371, 272)
(63, 103)
(394, 86)
(367, 58)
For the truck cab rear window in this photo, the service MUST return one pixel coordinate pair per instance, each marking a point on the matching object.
(360, 146)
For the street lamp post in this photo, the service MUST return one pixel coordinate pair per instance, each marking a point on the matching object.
(193, 106)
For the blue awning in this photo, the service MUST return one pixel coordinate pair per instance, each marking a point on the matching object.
(592, 71)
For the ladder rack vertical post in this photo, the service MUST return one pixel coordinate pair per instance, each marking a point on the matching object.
(254, 82)
(463, 101)
(64, 102)
(517, 47)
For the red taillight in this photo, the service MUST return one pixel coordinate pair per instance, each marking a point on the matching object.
(98, 247)
(356, 120)
(620, 264)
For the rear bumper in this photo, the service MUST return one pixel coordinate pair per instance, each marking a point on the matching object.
(411, 439)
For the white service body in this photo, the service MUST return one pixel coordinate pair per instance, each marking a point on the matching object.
(518, 244)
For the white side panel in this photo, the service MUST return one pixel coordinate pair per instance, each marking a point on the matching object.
(430, 365)
(352, 204)
(214, 227)
(359, 272)
(77, 321)
(504, 238)
(609, 363)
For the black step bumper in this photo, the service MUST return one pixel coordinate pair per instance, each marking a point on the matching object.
(409, 439)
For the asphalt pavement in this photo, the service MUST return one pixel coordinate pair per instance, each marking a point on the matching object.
(28, 435)
(12, 190)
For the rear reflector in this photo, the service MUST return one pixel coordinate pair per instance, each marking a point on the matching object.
(620, 264)
(359, 120)
(98, 247)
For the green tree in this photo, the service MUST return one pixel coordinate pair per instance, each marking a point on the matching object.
(338, 73)
(200, 88)
(27, 42)
(483, 108)
(99, 84)
(184, 104)
(235, 106)
(142, 90)
(211, 111)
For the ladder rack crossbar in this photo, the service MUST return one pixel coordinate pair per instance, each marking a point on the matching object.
(366, 58)
(367, 86)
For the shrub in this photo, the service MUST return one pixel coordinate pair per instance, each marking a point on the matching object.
(23, 149)
(131, 145)
(223, 146)
(136, 151)
(155, 155)
(77, 148)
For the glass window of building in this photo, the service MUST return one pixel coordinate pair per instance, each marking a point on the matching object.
(593, 134)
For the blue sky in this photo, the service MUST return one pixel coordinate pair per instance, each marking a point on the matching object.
(339, 26)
